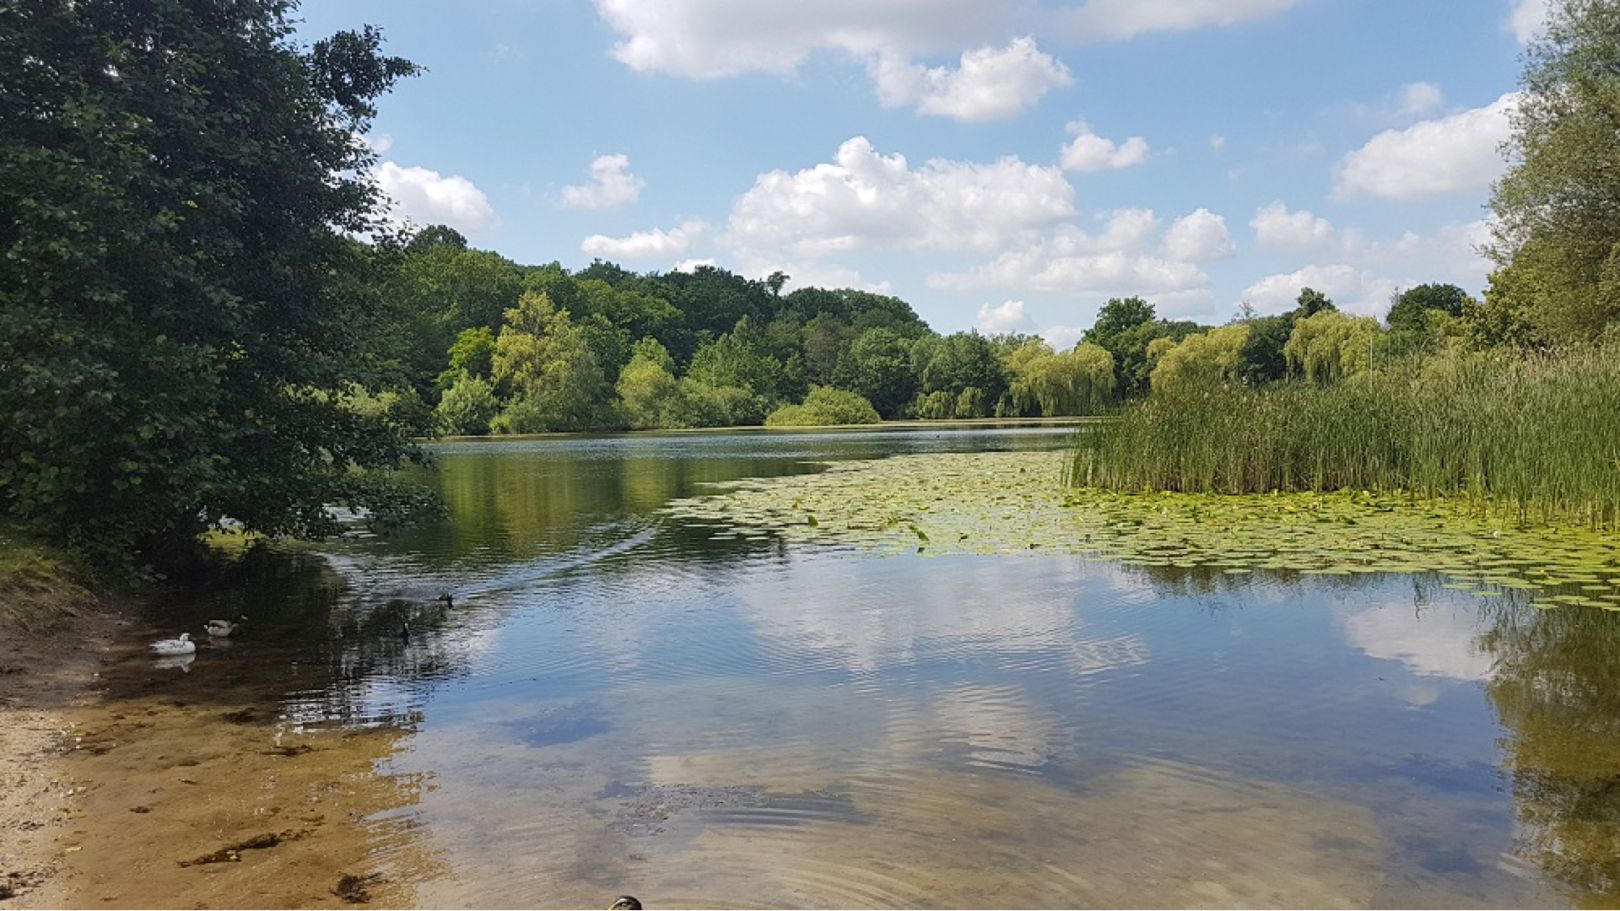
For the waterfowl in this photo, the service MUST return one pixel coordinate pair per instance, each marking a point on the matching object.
(180, 646)
(405, 630)
(222, 629)
(448, 601)
(625, 903)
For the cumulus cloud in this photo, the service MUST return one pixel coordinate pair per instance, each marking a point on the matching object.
(654, 244)
(1090, 152)
(1419, 98)
(1121, 259)
(611, 185)
(1199, 236)
(1007, 316)
(691, 265)
(1352, 289)
(1526, 19)
(989, 84)
(1277, 227)
(1454, 153)
(426, 197)
(864, 199)
(710, 39)
(1119, 19)
(1062, 338)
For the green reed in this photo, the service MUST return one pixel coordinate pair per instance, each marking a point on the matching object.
(1539, 434)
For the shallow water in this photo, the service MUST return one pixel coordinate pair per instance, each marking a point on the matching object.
(619, 702)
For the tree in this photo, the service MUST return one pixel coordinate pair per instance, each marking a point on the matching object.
(1201, 360)
(1124, 328)
(1332, 345)
(825, 406)
(472, 354)
(1555, 235)
(962, 361)
(877, 365)
(648, 389)
(182, 304)
(543, 357)
(1408, 313)
(1078, 381)
(467, 407)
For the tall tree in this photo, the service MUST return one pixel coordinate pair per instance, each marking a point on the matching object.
(1556, 234)
(182, 306)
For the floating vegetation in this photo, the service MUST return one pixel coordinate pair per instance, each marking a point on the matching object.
(1016, 502)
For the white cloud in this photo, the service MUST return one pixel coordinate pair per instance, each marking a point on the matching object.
(710, 39)
(1526, 19)
(1120, 260)
(1118, 19)
(1090, 152)
(1217, 142)
(989, 84)
(611, 185)
(1430, 643)
(691, 265)
(863, 199)
(1008, 316)
(1454, 153)
(1419, 98)
(426, 197)
(1062, 338)
(654, 244)
(1352, 289)
(1199, 236)
(1275, 226)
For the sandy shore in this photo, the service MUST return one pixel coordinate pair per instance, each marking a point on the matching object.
(42, 677)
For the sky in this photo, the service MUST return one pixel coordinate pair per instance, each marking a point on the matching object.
(1005, 166)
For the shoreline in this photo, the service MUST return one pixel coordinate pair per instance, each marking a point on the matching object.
(43, 678)
(907, 424)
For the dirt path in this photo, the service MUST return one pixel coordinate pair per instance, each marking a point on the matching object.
(42, 678)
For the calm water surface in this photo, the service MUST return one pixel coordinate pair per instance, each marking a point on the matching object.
(616, 703)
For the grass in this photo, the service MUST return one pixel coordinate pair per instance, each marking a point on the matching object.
(1539, 435)
(40, 587)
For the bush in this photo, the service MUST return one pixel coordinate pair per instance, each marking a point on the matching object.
(825, 406)
(467, 407)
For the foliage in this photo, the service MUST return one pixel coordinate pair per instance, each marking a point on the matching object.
(877, 366)
(1075, 382)
(1555, 235)
(965, 361)
(1200, 360)
(543, 356)
(1331, 346)
(1411, 308)
(472, 354)
(467, 407)
(1125, 327)
(1534, 432)
(182, 300)
(649, 390)
(825, 406)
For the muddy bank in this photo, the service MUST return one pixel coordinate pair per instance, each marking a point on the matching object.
(45, 677)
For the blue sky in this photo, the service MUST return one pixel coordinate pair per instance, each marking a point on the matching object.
(1005, 165)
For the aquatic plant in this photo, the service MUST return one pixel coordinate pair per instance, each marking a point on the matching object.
(1017, 502)
(1538, 436)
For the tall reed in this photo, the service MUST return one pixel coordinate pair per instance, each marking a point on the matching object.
(1539, 434)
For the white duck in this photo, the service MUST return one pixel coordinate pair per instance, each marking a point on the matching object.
(180, 646)
(222, 629)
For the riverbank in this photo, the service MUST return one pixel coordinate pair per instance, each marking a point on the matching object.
(53, 641)
(910, 424)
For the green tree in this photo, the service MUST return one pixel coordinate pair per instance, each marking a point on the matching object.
(467, 407)
(1556, 237)
(1124, 328)
(181, 302)
(877, 366)
(1078, 381)
(1411, 307)
(647, 386)
(472, 354)
(1332, 345)
(962, 361)
(1201, 360)
(825, 406)
(556, 383)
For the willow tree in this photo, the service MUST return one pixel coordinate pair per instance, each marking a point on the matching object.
(1332, 345)
(556, 382)
(183, 308)
(1200, 360)
(1557, 239)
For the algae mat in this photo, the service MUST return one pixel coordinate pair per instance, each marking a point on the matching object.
(1017, 502)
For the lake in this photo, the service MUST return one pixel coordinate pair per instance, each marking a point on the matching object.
(619, 701)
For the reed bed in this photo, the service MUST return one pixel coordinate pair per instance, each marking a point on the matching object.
(1537, 434)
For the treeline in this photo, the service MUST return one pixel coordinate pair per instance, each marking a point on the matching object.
(480, 344)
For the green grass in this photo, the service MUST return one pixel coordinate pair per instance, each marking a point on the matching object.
(39, 586)
(1539, 435)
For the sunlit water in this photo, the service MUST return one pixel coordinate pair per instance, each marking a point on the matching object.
(616, 703)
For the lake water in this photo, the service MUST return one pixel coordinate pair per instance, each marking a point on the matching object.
(617, 703)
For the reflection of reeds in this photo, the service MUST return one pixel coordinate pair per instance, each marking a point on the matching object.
(1539, 434)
